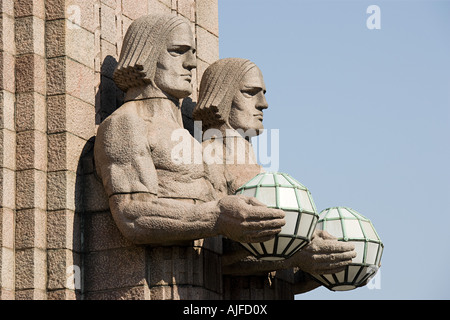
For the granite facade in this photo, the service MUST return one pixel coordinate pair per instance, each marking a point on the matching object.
(57, 237)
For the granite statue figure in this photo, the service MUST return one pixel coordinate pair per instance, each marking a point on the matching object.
(231, 104)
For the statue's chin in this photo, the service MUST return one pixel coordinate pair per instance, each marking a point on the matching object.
(179, 93)
(259, 131)
(183, 94)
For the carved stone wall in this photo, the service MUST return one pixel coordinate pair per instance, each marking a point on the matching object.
(56, 64)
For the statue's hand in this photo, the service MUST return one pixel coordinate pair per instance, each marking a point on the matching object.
(245, 219)
(324, 254)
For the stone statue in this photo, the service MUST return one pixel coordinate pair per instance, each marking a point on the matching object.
(231, 101)
(153, 198)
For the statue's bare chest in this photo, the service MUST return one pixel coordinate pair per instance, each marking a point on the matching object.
(177, 158)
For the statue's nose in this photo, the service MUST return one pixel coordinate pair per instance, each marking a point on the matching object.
(262, 102)
(191, 61)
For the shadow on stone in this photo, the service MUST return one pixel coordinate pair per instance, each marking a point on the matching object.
(109, 97)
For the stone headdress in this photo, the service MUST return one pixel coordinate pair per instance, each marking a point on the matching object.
(217, 89)
(143, 43)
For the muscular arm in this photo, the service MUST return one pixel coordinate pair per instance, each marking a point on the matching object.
(146, 219)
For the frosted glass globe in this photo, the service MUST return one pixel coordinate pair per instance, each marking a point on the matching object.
(348, 225)
(281, 191)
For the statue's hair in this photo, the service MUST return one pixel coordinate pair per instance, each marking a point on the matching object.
(217, 89)
(143, 43)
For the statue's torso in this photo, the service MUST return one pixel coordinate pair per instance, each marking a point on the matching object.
(176, 155)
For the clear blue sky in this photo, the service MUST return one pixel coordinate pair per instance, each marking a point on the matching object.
(364, 121)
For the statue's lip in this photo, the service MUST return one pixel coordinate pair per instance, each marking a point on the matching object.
(188, 77)
(259, 115)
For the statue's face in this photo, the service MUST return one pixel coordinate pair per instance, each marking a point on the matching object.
(249, 102)
(173, 72)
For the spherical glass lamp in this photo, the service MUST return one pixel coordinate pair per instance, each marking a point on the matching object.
(348, 225)
(281, 191)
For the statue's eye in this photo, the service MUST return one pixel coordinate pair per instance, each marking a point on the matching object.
(250, 92)
(178, 50)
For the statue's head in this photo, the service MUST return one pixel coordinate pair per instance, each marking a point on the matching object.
(232, 93)
(158, 50)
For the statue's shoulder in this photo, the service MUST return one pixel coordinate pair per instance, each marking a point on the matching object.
(126, 117)
(123, 127)
(129, 110)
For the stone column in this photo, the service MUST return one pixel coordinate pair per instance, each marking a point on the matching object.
(7, 149)
(31, 151)
(71, 89)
